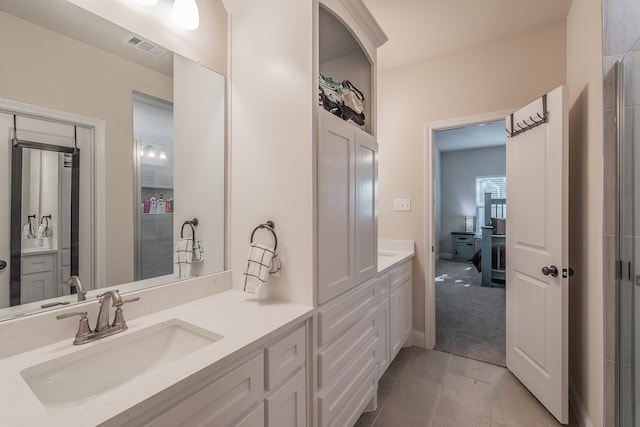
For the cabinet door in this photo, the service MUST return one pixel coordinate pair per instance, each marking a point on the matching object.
(382, 355)
(366, 206)
(395, 323)
(335, 207)
(287, 407)
(406, 314)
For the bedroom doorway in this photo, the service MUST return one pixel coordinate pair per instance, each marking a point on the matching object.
(470, 173)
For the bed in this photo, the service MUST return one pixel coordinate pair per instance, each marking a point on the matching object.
(493, 241)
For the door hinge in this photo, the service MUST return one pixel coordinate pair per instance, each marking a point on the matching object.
(567, 272)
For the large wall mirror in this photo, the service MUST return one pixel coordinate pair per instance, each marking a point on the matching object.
(145, 128)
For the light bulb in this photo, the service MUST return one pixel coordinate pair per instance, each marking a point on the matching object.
(141, 152)
(185, 14)
(147, 2)
(163, 155)
(151, 154)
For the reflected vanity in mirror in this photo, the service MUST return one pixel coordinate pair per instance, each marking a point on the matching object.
(44, 192)
(71, 82)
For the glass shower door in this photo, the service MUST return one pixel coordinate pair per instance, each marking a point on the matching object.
(629, 239)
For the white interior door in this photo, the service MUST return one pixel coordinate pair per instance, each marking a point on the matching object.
(537, 243)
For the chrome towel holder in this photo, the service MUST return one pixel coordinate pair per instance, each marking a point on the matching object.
(270, 226)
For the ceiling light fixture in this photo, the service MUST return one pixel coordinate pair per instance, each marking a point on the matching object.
(185, 13)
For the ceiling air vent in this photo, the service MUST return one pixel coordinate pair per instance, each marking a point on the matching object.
(144, 45)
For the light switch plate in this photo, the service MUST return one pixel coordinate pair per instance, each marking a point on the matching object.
(403, 205)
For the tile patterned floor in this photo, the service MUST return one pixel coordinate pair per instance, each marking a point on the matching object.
(427, 388)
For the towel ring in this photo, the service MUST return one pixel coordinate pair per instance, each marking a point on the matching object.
(192, 223)
(269, 225)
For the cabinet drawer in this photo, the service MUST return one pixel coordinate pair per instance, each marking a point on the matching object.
(457, 238)
(333, 358)
(222, 401)
(332, 400)
(287, 406)
(382, 285)
(399, 276)
(337, 317)
(353, 409)
(255, 418)
(284, 357)
(37, 263)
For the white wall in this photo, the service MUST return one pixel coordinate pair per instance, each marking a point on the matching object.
(272, 172)
(584, 79)
(504, 74)
(458, 173)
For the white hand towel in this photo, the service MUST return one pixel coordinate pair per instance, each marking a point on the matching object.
(258, 267)
(198, 251)
(184, 258)
(26, 232)
(40, 235)
(275, 266)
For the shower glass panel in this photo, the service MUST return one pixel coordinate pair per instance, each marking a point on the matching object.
(153, 140)
(629, 238)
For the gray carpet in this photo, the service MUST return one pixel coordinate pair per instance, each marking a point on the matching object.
(470, 319)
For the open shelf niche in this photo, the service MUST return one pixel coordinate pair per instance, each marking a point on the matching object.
(341, 57)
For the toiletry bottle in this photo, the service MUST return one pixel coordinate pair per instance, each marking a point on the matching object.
(153, 205)
(160, 205)
(147, 206)
(168, 205)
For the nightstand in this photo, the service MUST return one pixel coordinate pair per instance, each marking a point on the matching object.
(463, 245)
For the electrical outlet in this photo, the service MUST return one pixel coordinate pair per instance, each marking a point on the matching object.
(402, 205)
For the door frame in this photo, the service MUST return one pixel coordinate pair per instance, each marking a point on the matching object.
(430, 129)
(98, 126)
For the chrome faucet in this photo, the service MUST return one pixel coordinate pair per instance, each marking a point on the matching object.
(103, 328)
(75, 281)
(114, 297)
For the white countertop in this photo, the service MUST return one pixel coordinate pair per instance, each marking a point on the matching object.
(241, 319)
(393, 252)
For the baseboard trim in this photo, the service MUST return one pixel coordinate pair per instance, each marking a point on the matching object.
(417, 339)
(578, 406)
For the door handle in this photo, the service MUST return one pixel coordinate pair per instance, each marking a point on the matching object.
(3, 264)
(550, 271)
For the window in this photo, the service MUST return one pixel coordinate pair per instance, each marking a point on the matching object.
(497, 186)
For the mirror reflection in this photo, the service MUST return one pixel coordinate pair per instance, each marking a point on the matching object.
(44, 191)
(72, 70)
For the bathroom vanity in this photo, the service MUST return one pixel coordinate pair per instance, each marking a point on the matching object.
(198, 352)
(222, 359)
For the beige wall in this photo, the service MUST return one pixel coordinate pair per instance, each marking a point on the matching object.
(504, 74)
(206, 45)
(44, 71)
(584, 77)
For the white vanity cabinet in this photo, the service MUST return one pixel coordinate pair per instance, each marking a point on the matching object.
(38, 278)
(400, 307)
(266, 387)
(347, 361)
(347, 206)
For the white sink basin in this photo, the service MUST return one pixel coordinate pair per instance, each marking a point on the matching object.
(83, 375)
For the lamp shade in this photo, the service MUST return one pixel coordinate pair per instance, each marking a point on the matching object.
(185, 14)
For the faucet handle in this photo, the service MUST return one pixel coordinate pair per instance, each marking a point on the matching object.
(118, 319)
(103, 294)
(83, 328)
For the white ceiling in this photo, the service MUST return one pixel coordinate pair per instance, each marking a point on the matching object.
(471, 137)
(420, 29)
